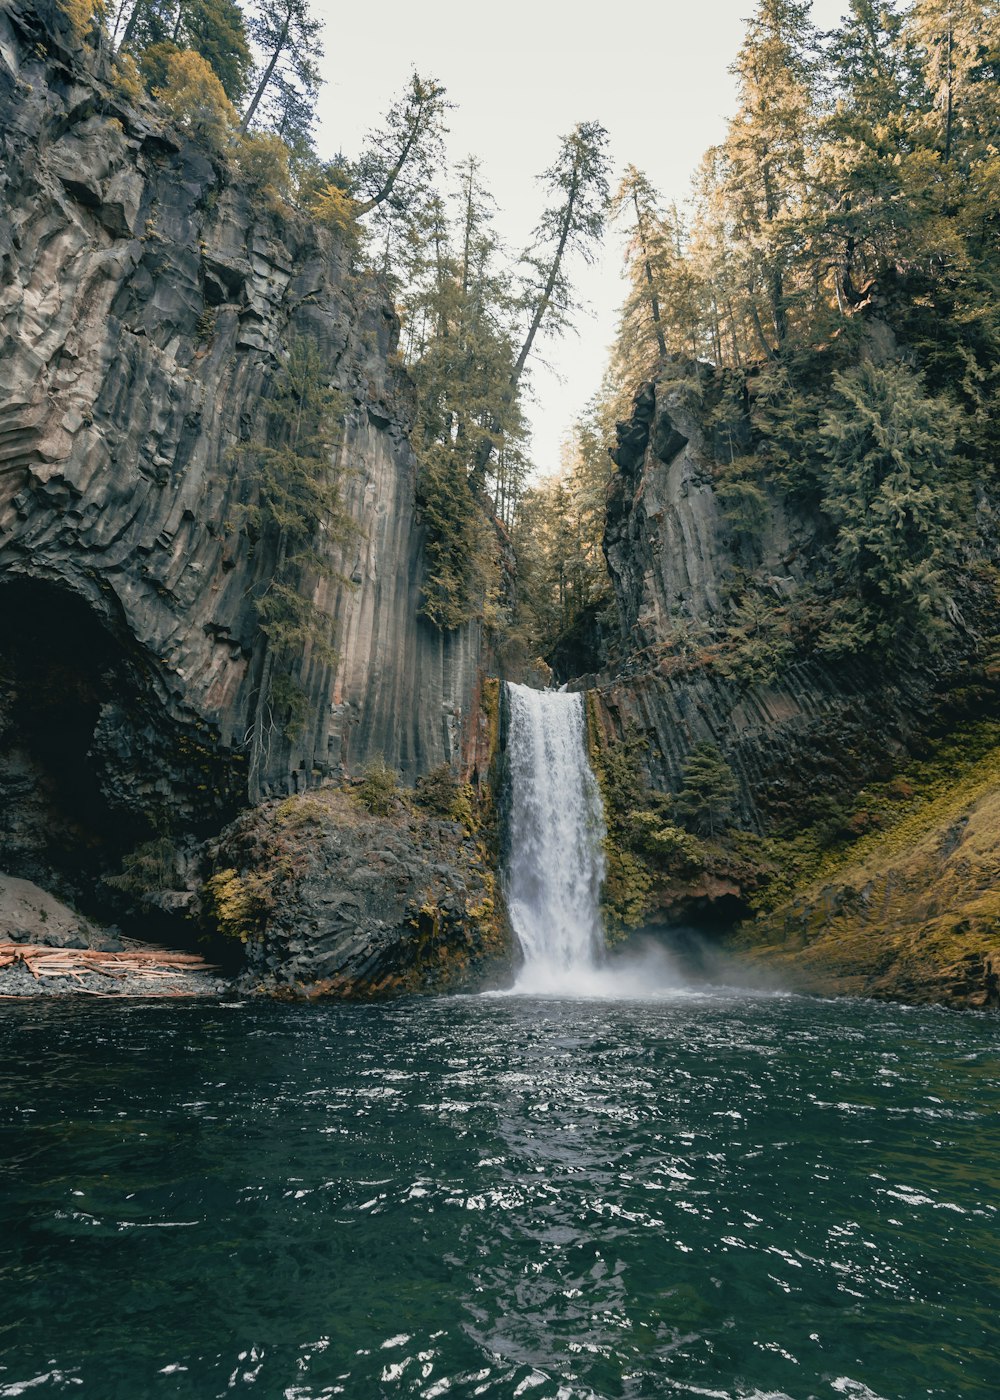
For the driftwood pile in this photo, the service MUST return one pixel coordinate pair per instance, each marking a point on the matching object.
(156, 967)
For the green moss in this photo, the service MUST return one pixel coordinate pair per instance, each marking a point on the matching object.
(440, 792)
(884, 817)
(297, 812)
(379, 788)
(908, 908)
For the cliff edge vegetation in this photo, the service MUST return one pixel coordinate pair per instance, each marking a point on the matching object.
(789, 574)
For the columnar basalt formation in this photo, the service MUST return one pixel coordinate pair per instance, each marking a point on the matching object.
(675, 561)
(147, 297)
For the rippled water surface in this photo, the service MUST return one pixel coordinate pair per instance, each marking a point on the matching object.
(706, 1195)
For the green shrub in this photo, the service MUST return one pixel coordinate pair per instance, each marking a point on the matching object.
(441, 793)
(239, 905)
(379, 788)
(195, 98)
(151, 866)
(670, 846)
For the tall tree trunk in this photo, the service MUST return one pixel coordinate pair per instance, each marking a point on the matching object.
(267, 74)
(755, 318)
(774, 279)
(478, 476)
(390, 180)
(133, 21)
(654, 300)
(949, 100)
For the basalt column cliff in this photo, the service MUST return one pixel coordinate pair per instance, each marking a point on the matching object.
(147, 298)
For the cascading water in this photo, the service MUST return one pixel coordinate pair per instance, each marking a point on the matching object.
(555, 862)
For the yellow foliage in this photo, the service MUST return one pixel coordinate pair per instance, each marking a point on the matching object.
(81, 15)
(263, 162)
(126, 79)
(239, 903)
(335, 208)
(196, 99)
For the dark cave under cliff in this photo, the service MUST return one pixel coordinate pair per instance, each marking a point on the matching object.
(93, 766)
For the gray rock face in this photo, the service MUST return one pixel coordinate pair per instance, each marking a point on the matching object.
(671, 552)
(813, 734)
(337, 902)
(146, 300)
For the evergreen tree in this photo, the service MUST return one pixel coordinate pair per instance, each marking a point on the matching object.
(867, 154)
(646, 254)
(288, 35)
(763, 162)
(216, 30)
(213, 29)
(663, 311)
(193, 95)
(572, 224)
(892, 493)
(394, 181)
(401, 159)
(707, 799)
(457, 340)
(959, 42)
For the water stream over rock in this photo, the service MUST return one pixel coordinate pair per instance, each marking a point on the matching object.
(555, 863)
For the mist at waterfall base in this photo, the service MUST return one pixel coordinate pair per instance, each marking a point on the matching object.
(555, 868)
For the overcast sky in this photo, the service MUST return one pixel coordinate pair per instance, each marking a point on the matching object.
(522, 74)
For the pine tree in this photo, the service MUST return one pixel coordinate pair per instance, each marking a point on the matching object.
(288, 36)
(959, 42)
(894, 493)
(572, 224)
(663, 311)
(763, 163)
(457, 341)
(214, 29)
(868, 144)
(707, 799)
(193, 95)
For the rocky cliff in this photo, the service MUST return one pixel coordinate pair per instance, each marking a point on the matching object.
(713, 648)
(692, 665)
(147, 297)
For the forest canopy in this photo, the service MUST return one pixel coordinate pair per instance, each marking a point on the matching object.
(858, 181)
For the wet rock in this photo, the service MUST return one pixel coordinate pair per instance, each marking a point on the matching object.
(326, 925)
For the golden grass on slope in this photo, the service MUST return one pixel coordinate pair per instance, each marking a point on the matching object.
(913, 913)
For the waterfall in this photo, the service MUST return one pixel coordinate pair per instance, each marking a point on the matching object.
(555, 860)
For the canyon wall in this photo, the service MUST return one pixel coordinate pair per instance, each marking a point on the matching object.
(814, 728)
(147, 298)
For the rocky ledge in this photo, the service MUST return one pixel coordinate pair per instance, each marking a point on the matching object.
(333, 900)
(910, 912)
(48, 949)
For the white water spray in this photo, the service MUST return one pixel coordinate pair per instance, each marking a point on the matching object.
(555, 863)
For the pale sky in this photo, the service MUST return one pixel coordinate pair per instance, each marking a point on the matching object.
(522, 74)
